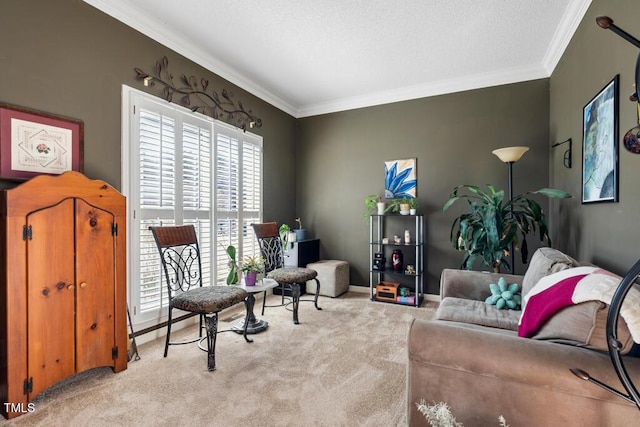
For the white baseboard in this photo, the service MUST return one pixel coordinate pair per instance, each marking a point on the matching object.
(431, 297)
(359, 289)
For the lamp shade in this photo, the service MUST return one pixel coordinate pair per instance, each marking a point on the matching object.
(510, 154)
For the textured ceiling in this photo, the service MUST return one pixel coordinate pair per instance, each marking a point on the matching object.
(310, 57)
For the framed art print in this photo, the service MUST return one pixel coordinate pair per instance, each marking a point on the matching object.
(600, 167)
(34, 142)
(400, 178)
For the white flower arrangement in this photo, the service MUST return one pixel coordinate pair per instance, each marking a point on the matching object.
(439, 415)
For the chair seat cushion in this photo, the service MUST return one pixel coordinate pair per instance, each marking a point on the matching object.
(292, 274)
(208, 299)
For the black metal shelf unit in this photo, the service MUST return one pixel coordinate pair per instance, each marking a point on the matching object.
(381, 226)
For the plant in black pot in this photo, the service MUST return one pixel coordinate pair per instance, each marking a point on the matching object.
(492, 224)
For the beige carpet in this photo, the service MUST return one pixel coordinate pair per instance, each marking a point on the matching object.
(342, 366)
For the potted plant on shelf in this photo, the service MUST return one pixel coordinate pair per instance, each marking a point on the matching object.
(374, 203)
(400, 205)
(493, 223)
(251, 266)
(413, 205)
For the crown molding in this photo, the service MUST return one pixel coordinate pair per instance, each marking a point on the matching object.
(568, 25)
(138, 20)
(478, 81)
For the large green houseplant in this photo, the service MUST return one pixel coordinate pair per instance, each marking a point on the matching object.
(493, 223)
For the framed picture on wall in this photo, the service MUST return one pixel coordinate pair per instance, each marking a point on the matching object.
(400, 179)
(34, 143)
(600, 166)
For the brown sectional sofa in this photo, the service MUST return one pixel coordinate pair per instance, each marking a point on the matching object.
(471, 357)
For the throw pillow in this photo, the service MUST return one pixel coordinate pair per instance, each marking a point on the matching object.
(545, 261)
(571, 307)
(584, 325)
(504, 296)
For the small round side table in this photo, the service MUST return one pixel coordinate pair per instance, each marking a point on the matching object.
(254, 325)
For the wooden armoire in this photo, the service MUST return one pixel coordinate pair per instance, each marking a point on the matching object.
(62, 284)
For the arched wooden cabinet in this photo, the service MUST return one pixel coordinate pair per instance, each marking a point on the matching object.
(62, 289)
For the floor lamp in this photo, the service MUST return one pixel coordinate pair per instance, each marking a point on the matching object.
(510, 155)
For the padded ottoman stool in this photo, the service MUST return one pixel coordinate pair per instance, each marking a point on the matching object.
(333, 276)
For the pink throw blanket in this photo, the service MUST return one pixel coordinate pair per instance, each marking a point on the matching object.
(573, 286)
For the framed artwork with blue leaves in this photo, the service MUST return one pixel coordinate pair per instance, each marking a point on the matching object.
(400, 178)
(600, 165)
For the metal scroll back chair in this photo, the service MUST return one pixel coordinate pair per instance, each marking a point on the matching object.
(287, 277)
(180, 256)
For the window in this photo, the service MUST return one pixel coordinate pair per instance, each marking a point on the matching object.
(181, 167)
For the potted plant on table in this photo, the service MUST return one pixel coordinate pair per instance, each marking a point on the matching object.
(487, 231)
(251, 266)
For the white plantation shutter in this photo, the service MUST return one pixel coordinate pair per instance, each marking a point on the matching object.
(227, 174)
(196, 170)
(157, 160)
(238, 183)
(251, 191)
(150, 283)
(251, 177)
(156, 200)
(185, 168)
(196, 186)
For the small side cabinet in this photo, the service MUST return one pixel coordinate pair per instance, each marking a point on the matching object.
(302, 252)
(63, 289)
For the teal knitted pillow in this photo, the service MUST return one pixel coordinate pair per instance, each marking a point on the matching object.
(505, 296)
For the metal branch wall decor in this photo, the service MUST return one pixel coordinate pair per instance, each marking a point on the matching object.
(192, 94)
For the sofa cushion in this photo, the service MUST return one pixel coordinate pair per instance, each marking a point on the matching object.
(477, 313)
(584, 325)
(571, 307)
(544, 262)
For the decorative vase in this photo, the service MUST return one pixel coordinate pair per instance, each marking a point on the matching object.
(301, 234)
(396, 260)
(407, 237)
(380, 206)
(250, 278)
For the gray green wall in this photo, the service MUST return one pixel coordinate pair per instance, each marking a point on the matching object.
(66, 57)
(607, 233)
(340, 160)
